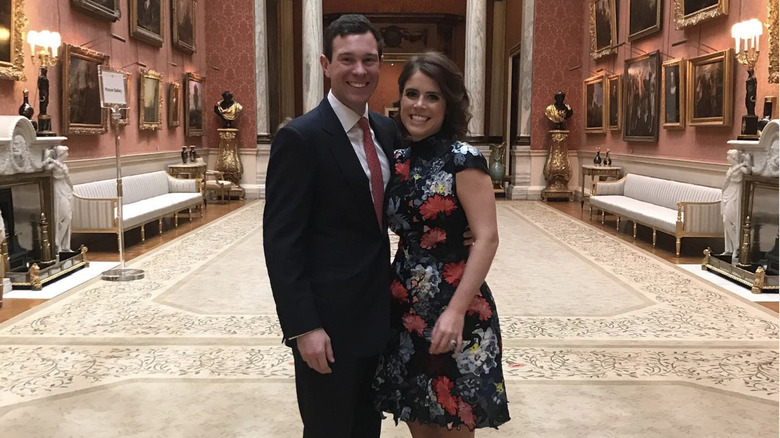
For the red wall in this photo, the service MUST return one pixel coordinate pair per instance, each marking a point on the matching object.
(558, 28)
(230, 56)
(695, 143)
(79, 28)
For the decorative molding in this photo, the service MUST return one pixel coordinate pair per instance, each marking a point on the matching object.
(682, 21)
(772, 25)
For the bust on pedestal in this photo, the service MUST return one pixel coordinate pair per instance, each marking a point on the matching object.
(228, 159)
(557, 170)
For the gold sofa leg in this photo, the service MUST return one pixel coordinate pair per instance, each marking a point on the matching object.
(634, 230)
(653, 237)
(159, 226)
(143, 233)
(677, 248)
(617, 224)
(591, 212)
(189, 211)
(176, 220)
(602, 217)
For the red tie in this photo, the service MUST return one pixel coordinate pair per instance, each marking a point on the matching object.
(377, 183)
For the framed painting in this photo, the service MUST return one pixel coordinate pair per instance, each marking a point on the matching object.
(595, 105)
(81, 111)
(146, 22)
(151, 99)
(644, 18)
(174, 104)
(673, 96)
(183, 24)
(710, 89)
(689, 13)
(12, 24)
(124, 113)
(772, 25)
(641, 91)
(105, 9)
(193, 103)
(615, 93)
(603, 28)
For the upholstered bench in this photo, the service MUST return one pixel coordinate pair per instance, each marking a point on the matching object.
(679, 209)
(146, 197)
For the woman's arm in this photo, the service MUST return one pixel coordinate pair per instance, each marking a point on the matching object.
(475, 192)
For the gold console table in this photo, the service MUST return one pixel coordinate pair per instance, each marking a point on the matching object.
(596, 173)
(188, 171)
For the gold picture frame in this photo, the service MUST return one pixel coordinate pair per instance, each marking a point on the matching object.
(12, 53)
(615, 97)
(710, 89)
(194, 124)
(772, 36)
(644, 18)
(183, 25)
(105, 9)
(81, 110)
(673, 96)
(174, 104)
(641, 97)
(151, 99)
(689, 13)
(124, 113)
(595, 111)
(603, 28)
(146, 22)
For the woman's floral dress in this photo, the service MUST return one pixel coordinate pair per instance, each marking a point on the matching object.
(423, 209)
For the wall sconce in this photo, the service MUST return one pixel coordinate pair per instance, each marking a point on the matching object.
(43, 51)
(746, 35)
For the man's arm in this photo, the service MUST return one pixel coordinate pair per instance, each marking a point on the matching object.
(289, 197)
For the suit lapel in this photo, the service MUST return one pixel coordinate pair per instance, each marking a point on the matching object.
(341, 148)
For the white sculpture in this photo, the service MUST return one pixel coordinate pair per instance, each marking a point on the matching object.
(54, 160)
(740, 165)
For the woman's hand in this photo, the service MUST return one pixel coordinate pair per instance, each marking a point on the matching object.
(448, 328)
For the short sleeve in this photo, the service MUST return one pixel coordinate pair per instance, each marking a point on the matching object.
(467, 156)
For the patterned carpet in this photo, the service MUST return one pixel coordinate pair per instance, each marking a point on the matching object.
(600, 339)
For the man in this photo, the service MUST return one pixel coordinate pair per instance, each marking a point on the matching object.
(326, 244)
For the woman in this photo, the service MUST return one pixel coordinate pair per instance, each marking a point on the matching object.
(441, 372)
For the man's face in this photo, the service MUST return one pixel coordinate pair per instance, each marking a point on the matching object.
(354, 70)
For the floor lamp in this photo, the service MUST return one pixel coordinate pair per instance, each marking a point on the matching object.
(113, 95)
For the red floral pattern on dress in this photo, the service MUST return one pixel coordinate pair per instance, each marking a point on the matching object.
(453, 272)
(432, 238)
(466, 414)
(481, 307)
(442, 386)
(437, 204)
(402, 169)
(414, 323)
(399, 292)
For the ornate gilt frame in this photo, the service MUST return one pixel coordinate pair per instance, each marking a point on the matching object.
(681, 88)
(189, 131)
(80, 128)
(649, 30)
(150, 124)
(619, 79)
(143, 34)
(14, 70)
(98, 10)
(604, 104)
(174, 89)
(772, 35)
(726, 57)
(125, 112)
(682, 21)
(596, 53)
(177, 42)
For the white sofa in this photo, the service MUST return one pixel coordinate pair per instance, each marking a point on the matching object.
(679, 209)
(146, 197)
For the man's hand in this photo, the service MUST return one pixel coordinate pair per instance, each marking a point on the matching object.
(316, 351)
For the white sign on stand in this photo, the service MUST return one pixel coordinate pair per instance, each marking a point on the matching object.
(113, 88)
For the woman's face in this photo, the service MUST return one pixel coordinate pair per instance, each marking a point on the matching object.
(422, 106)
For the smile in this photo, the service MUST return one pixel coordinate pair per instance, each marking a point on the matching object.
(357, 84)
(418, 118)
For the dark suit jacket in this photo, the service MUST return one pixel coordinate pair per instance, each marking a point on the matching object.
(327, 258)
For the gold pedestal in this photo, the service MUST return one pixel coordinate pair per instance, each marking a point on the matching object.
(228, 160)
(557, 170)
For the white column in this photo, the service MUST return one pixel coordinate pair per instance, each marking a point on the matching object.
(313, 81)
(497, 70)
(261, 69)
(526, 73)
(474, 73)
